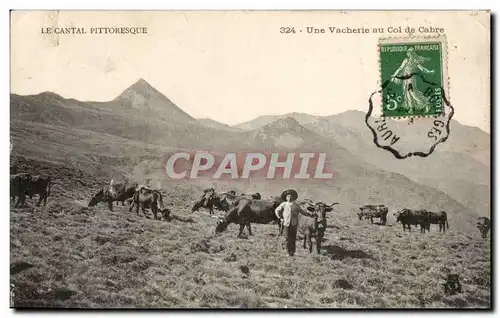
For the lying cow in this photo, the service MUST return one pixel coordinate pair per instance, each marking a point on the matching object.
(114, 192)
(147, 198)
(374, 211)
(440, 218)
(245, 211)
(19, 185)
(483, 225)
(409, 217)
(314, 225)
(39, 185)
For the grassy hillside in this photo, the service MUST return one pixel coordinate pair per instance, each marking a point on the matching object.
(355, 183)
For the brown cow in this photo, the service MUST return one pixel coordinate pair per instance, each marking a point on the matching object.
(147, 198)
(114, 192)
(314, 225)
(245, 211)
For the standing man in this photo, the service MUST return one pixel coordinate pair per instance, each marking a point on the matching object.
(288, 212)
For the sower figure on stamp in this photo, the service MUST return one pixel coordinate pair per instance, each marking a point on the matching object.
(288, 212)
(411, 65)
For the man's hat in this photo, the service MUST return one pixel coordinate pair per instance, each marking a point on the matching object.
(294, 194)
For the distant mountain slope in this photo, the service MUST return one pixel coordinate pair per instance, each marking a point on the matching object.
(457, 173)
(52, 109)
(260, 121)
(207, 122)
(355, 183)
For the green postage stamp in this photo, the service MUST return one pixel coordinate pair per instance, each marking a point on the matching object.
(413, 75)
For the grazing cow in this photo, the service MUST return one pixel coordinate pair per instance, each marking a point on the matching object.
(440, 218)
(314, 225)
(114, 192)
(39, 185)
(19, 185)
(483, 225)
(147, 198)
(206, 201)
(245, 211)
(374, 211)
(409, 217)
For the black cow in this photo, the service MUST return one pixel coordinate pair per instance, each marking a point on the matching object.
(409, 217)
(440, 218)
(147, 198)
(314, 224)
(246, 211)
(114, 192)
(374, 211)
(484, 225)
(19, 185)
(206, 201)
(39, 185)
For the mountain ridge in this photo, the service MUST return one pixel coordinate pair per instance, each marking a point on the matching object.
(354, 160)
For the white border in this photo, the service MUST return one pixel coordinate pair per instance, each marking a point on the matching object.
(191, 5)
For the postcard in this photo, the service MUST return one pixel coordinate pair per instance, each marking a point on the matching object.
(250, 159)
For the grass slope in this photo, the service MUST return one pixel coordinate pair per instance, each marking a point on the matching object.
(69, 255)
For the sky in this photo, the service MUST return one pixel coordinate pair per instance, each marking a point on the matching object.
(235, 66)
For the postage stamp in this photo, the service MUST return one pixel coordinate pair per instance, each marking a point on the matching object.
(413, 76)
(414, 84)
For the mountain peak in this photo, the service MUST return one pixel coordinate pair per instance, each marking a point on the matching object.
(141, 86)
(283, 125)
(286, 122)
(142, 83)
(143, 96)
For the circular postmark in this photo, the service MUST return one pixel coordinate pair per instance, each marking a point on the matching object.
(409, 136)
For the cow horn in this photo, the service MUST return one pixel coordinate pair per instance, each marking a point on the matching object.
(335, 203)
(214, 216)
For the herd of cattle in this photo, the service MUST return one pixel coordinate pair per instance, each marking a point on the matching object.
(239, 209)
